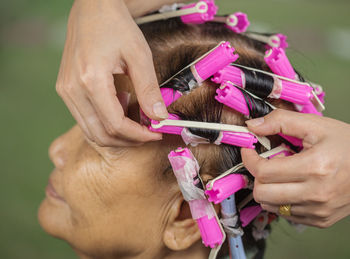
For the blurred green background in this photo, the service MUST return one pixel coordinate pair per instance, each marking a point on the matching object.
(32, 115)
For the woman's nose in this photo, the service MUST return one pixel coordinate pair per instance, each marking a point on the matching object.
(57, 152)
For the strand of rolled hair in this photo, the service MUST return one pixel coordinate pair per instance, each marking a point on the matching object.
(282, 84)
(249, 105)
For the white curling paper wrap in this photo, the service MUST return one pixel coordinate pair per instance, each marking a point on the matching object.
(229, 226)
(277, 89)
(190, 138)
(185, 169)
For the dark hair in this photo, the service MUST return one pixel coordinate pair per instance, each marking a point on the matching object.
(175, 45)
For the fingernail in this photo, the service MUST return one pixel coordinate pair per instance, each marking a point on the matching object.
(160, 110)
(255, 122)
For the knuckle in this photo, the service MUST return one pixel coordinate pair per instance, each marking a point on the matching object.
(113, 129)
(257, 194)
(102, 141)
(324, 224)
(322, 213)
(320, 196)
(90, 77)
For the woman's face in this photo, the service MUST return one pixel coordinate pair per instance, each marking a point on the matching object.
(107, 201)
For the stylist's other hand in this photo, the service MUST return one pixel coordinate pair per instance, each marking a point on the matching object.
(316, 181)
(102, 40)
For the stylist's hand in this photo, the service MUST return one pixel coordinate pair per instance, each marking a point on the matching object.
(316, 182)
(102, 40)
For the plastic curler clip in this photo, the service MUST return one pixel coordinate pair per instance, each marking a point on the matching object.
(274, 41)
(195, 13)
(215, 60)
(237, 22)
(248, 214)
(222, 188)
(186, 170)
(205, 11)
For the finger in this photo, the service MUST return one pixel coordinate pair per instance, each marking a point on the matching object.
(300, 210)
(102, 94)
(307, 127)
(293, 168)
(142, 74)
(77, 116)
(94, 125)
(282, 193)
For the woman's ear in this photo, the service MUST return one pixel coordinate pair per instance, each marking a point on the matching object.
(181, 230)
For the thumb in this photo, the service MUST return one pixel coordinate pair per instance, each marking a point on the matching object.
(143, 76)
(290, 123)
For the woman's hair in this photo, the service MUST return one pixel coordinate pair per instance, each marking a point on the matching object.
(174, 45)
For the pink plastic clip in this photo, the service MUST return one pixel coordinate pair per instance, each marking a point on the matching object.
(240, 139)
(278, 62)
(248, 214)
(277, 41)
(225, 187)
(208, 11)
(169, 95)
(237, 22)
(215, 60)
(186, 170)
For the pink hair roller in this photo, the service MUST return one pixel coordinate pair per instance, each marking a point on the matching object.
(215, 60)
(237, 22)
(225, 187)
(169, 95)
(232, 97)
(297, 93)
(186, 168)
(243, 139)
(278, 62)
(248, 214)
(207, 8)
(229, 73)
(277, 41)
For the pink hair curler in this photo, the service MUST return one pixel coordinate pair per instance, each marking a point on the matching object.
(232, 97)
(277, 41)
(249, 213)
(223, 188)
(278, 62)
(230, 73)
(186, 170)
(206, 12)
(238, 22)
(169, 95)
(240, 139)
(195, 13)
(217, 59)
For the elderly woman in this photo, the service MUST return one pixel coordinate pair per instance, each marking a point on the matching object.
(124, 202)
